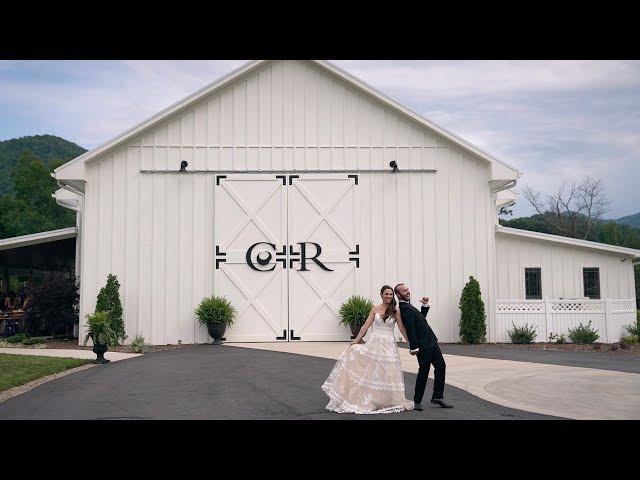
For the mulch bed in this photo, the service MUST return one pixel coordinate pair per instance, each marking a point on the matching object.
(573, 347)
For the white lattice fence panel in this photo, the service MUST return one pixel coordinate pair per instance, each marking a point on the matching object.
(622, 305)
(523, 306)
(608, 316)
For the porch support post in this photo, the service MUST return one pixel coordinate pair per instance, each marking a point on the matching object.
(547, 317)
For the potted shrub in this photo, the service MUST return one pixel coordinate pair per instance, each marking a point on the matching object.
(102, 334)
(354, 313)
(216, 313)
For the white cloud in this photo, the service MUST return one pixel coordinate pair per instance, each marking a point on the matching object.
(549, 119)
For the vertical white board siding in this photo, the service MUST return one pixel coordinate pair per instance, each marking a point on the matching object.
(132, 240)
(145, 246)
(456, 211)
(158, 270)
(89, 278)
(105, 216)
(156, 231)
(440, 308)
(185, 258)
(561, 269)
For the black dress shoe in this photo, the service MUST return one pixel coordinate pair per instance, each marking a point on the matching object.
(418, 406)
(441, 402)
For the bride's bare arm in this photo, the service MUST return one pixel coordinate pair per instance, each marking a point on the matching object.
(364, 328)
(403, 330)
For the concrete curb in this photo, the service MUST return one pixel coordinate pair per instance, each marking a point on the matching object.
(68, 353)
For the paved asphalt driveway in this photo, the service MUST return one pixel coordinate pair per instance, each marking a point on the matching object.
(212, 382)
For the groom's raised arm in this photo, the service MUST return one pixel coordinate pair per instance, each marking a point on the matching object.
(424, 309)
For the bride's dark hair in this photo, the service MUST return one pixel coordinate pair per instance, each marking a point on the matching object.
(390, 311)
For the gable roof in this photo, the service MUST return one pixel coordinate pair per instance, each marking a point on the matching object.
(226, 79)
(575, 242)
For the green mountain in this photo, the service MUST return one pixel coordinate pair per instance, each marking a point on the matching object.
(632, 220)
(49, 148)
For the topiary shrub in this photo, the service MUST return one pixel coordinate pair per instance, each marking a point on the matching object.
(523, 334)
(583, 334)
(109, 301)
(473, 320)
(354, 312)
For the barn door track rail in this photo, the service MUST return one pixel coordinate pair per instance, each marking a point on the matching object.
(219, 172)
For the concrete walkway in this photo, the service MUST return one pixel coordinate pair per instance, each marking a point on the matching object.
(557, 390)
(70, 353)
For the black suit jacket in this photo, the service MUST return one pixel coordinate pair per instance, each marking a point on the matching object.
(418, 330)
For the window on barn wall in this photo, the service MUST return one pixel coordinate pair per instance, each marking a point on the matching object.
(533, 283)
(591, 281)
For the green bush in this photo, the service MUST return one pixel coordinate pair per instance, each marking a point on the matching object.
(139, 345)
(629, 339)
(557, 338)
(215, 310)
(33, 340)
(18, 338)
(109, 301)
(583, 334)
(523, 334)
(473, 320)
(100, 330)
(355, 310)
(52, 304)
(634, 329)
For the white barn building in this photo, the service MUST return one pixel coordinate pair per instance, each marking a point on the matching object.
(288, 206)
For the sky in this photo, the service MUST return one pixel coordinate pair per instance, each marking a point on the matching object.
(554, 120)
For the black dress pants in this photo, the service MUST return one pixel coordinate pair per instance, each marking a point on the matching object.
(427, 357)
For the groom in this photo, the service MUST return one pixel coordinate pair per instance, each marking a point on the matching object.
(424, 344)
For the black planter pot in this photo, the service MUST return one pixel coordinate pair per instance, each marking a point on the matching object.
(216, 330)
(355, 329)
(100, 350)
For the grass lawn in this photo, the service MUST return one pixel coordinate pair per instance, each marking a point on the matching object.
(17, 370)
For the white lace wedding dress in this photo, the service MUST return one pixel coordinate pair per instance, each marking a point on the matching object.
(368, 378)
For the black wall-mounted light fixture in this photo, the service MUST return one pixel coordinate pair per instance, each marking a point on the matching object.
(394, 166)
(183, 166)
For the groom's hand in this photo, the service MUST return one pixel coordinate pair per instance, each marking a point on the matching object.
(424, 300)
(413, 352)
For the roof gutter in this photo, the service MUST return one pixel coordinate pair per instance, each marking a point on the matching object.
(504, 185)
(69, 188)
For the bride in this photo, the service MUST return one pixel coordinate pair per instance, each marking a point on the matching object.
(367, 377)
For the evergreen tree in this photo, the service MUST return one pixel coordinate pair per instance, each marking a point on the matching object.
(473, 326)
(30, 208)
(109, 300)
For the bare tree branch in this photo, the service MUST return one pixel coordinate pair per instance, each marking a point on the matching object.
(573, 207)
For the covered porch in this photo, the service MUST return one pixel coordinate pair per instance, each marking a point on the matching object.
(25, 256)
